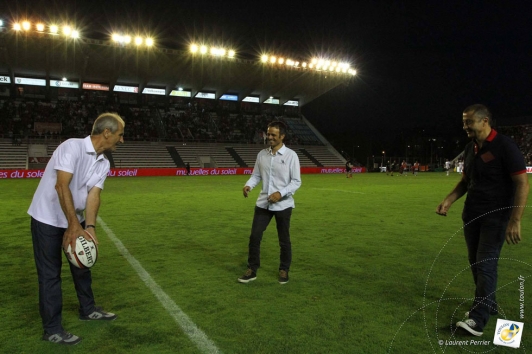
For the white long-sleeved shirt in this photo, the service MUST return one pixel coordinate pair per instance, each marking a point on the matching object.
(279, 173)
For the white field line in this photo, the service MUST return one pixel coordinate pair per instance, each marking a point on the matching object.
(204, 344)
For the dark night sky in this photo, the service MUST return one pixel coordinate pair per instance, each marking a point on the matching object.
(420, 63)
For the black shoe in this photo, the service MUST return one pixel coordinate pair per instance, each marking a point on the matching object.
(283, 276)
(470, 326)
(249, 276)
(62, 337)
(99, 315)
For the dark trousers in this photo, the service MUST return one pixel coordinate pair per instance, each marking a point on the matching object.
(261, 219)
(484, 238)
(48, 252)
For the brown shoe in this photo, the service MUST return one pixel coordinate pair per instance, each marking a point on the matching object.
(283, 276)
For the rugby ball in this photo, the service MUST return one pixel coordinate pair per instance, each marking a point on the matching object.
(86, 252)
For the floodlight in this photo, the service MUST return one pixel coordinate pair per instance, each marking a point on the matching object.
(334, 64)
(115, 37)
(54, 29)
(318, 67)
(338, 69)
(138, 40)
(264, 58)
(327, 63)
(127, 39)
(296, 63)
(203, 49)
(40, 27)
(194, 48)
(26, 25)
(1, 23)
(67, 30)
(273, 59)
(280, 61)
(331, 68)
(314, 61)
(231, 53)
(344, 70)
(320, 62)
(17, 27)
(304, 64)
(311, 65)
(214, 51)
(75, 34)
(179, 89)
(222, 52)
(149, 42)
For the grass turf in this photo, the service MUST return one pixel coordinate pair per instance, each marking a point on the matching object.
(374, 269)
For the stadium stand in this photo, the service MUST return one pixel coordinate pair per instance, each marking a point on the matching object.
(164, 130)
(206, 156)
(13, 156)
(138, 155)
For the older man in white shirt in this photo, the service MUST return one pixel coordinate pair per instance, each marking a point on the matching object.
(67, 201)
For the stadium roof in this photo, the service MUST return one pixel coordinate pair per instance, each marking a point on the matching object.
(106, 62)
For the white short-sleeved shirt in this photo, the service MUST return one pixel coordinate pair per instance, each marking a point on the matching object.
(76, 156)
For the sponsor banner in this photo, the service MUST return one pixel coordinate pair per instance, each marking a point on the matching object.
(154, 91)
(292, 103)
(181, 93)
(64, 84)
(229, 97)
(272, 101)
(206, 95)
(44, 127)
(529, 169)
(251, 99)
(29, 81)
(146, 172)
(95, 87)
(130, 89)
(40, 159)
(5, 79)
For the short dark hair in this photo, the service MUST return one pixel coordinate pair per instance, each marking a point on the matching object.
(479, 111)
(279, 125)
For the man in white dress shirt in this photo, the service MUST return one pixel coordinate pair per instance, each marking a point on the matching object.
(278, 168)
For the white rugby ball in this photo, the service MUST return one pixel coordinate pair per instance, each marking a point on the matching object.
(86, 252)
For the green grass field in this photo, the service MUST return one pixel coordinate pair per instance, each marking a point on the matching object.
(374, 270)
